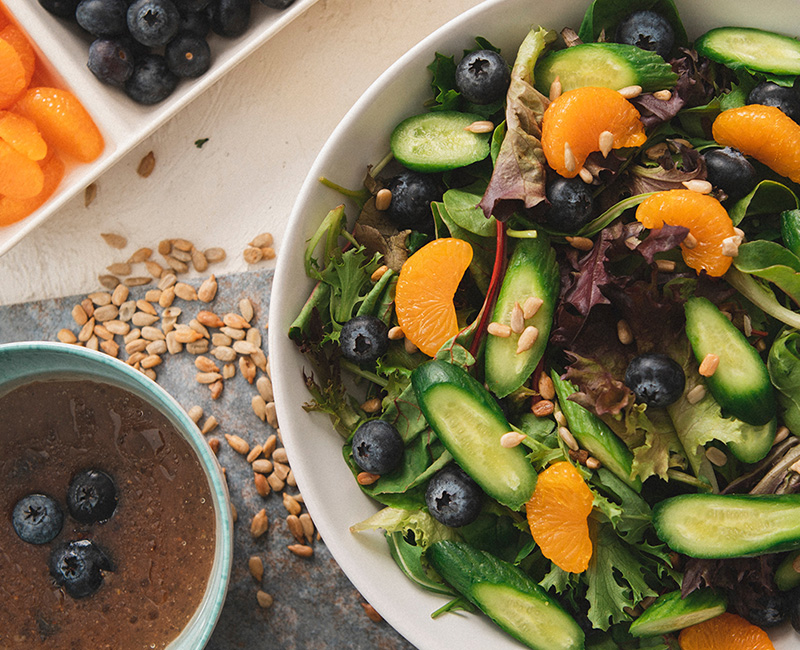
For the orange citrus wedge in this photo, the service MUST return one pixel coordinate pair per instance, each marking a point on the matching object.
(573, 124)
(13, 210)
(724, 632)
(708, 222)
(23, 135)
(20, 177)
(764, 132)
(558, 516)
(425, 289)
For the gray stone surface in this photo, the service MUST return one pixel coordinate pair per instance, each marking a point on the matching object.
(316, 607)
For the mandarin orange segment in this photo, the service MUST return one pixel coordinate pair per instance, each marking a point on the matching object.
(23, 135)
(764, 132)
(558, 516)
(12, 210)
(724, 632)
(12, 75)
(573, 124)
(706, 220)
(63, 121)
(16, 39)
(425, 289)
(20, 177)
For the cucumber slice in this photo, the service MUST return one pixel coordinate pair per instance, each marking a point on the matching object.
(611, 65)
(786, 576)
(438, 141)
(595, 436)
(741, 383)
(470, 423)
(751, 49)
(532, 272)
(755, 441)
(729, 525)
(506, 595)
(670, 612)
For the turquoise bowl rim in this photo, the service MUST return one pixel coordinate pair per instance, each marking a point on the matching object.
(81, 362)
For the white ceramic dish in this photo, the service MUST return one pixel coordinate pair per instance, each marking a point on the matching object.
(123, 122)
(362, 138)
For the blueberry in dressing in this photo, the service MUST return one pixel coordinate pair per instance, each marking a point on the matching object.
(111, 61)
(92, 496)
(729, 170)
(102, 17)
(647, 30)
(188, 55)
(377, 447)
(230, 18)
(482, 77)
(571, 204)
(363, 339)
(412, 193)
(453, 498)
(37, 518)
(655, 379)
(78, 567)
(152, 81)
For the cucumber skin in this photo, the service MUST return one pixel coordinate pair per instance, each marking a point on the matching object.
(705, 46)
(595, 436)
(756, 443)
(464, 566)
(710, 511)
(646, 69)
(425, 379)
(669, 612)
(480, 140)
(532, 271)
(756, 406)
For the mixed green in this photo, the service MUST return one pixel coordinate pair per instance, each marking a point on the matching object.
(675, 393)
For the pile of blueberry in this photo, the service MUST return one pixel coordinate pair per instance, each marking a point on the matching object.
(147, 46)
(75, 565)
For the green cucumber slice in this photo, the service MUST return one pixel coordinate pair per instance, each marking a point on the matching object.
(509, 597)
(670, 612)
(786, 576)
(729, 525)
(741, 383)
(532, 272)
(595, 436)
(470, 423)
(751, 49)
(611, 65)
(438, 141)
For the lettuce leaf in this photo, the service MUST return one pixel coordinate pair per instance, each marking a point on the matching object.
(426, 529)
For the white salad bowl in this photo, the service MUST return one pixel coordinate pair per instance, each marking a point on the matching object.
(334, 499)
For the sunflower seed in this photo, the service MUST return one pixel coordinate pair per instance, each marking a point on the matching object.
(254, 453)
(175, 264)
(185, 291)
(140, 319)
(629, 92)
(569, 440)
(137, 345)
(269, 445)
(164, 246)
(264, 599)
(256, 567)
(252, 255)
(296, 528)
(187, 335)
(152, 333)
(156, 347)
(100, 298)
(119, 268)
(214, 444)
(546, 387)
(108, 281)
(197, 347)
(237, 443)
(207, 377)
(79, 315)
(275, 482)
(173, 346)
(543, 408)
(308, 526)
(367, 478)
(716, 456)
(114, 240)
(264, 387)
(511, 439)
(151, 361)
(228, 371)
(247, 368)
(86, 331)
(223, 353)
(88, 307)
(111, 348)
(264, 239)
(146, 165)
(137, 281)
(132, 335)
(291, 504)
(66, 336)
(709, 365)
(208, 289)
(195, 413)
(210, 424)
(262, 485)
(527, 339)
(214, 255)
(167, 280)
(259, 524)
(696, 394)
(199, 261)
(517, 322)
(101, 332)
(204, 364)
(167, 297)
(93, 343)
(556, 88)
(259, 407)
(262, 466)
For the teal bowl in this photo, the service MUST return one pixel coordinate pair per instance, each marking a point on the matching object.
(21, 363)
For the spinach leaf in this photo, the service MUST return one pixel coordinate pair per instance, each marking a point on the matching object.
(768, 197)
(771, 261)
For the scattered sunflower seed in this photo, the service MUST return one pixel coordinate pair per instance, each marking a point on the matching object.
(114, 240)
(146, 165)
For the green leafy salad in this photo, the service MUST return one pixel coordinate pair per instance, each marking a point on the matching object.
(560, 335)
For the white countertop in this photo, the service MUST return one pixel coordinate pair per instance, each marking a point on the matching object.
(265, 122)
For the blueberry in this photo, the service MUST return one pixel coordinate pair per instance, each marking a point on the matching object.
(647, 30)
(729, 170)
(412, 193)
(152, 81)
(769, 93)
(230, 17)
(453, 498)
(61, 8)
(191, 6)
(793, 608)
(188, 55)
(92, 496)
(770, 610)
(103, 17)
(78, 567)
(153, 22)
(377, 447)
(571, 204)
(482, 77)
(37, 518)
(655, 379)
(197, 22)
(277, 4)
(363, 339)
(111, 61)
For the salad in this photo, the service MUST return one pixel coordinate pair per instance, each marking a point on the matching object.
(559, 342)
